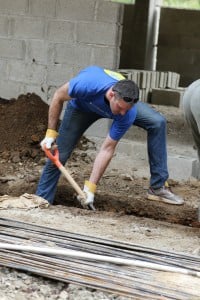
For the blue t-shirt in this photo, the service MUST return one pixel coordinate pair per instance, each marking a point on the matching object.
(87, 91)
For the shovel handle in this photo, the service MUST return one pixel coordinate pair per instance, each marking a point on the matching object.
(72, 181)
(53, 155)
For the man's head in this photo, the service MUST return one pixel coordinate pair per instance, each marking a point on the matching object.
(122, 96)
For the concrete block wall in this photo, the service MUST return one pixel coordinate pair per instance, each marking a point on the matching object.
(43, 43)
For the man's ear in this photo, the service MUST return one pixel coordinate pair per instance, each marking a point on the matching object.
(111, 93)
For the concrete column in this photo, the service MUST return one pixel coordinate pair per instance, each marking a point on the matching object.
(145, 33)
(152, 34)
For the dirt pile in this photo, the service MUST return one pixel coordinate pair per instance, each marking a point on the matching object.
(23, 123)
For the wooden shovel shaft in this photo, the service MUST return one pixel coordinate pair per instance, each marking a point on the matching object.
(72, 181)
(54, 157)
(97, 257)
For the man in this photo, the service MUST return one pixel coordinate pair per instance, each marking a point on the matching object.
(191, 107)
(99, 93)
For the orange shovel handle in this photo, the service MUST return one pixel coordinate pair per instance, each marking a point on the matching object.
(53, 155)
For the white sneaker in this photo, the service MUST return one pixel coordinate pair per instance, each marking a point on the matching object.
(164, 194)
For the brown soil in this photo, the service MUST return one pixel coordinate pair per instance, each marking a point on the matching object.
(23, 124)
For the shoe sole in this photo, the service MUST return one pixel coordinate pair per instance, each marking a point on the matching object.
(165, 200)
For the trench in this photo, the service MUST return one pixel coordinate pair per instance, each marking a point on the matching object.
(119, 203)
(136, 205)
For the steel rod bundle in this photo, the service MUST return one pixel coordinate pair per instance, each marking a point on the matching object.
(113, 272)
(97, 258)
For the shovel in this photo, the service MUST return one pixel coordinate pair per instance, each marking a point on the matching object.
(53, 155)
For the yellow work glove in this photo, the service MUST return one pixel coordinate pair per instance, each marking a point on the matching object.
(89, 189)
(49, 139)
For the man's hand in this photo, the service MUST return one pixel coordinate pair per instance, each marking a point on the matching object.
(49, 139)
(89, 191)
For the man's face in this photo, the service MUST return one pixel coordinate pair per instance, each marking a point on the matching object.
(119, 106)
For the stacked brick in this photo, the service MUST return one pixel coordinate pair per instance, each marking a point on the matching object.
(156, 87)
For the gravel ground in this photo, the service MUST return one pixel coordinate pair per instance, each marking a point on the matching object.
(16, 285)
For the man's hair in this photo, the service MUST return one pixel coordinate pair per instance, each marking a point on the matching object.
(127, 90)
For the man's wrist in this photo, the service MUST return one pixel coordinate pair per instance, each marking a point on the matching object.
(51, 133)
(91, 186)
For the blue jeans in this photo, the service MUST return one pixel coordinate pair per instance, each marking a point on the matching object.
(155, 125)
(76, 122)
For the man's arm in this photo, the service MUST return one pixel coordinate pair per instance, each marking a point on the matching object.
(60, 96)
(102, 159)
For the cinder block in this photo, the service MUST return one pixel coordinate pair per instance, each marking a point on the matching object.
(18, 7)
(10, 89)
(12, 48)
(138, 78)
(30, 28)
(44, 8)
(109, 12)
(162, 80)
(148, 80)
(172, 80)
(169, 80)
(38, 51)
(76, 10)
(61, 31)
(72, 54)
(157, 79)
(59, 74)
(3, 68)
(4, 23)
(134, 77)
(175, 78)
(105, 56)
(97, 33)
(181, 167)
(143, 79)
(26, 73)
(167, 97)
(153, 80)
